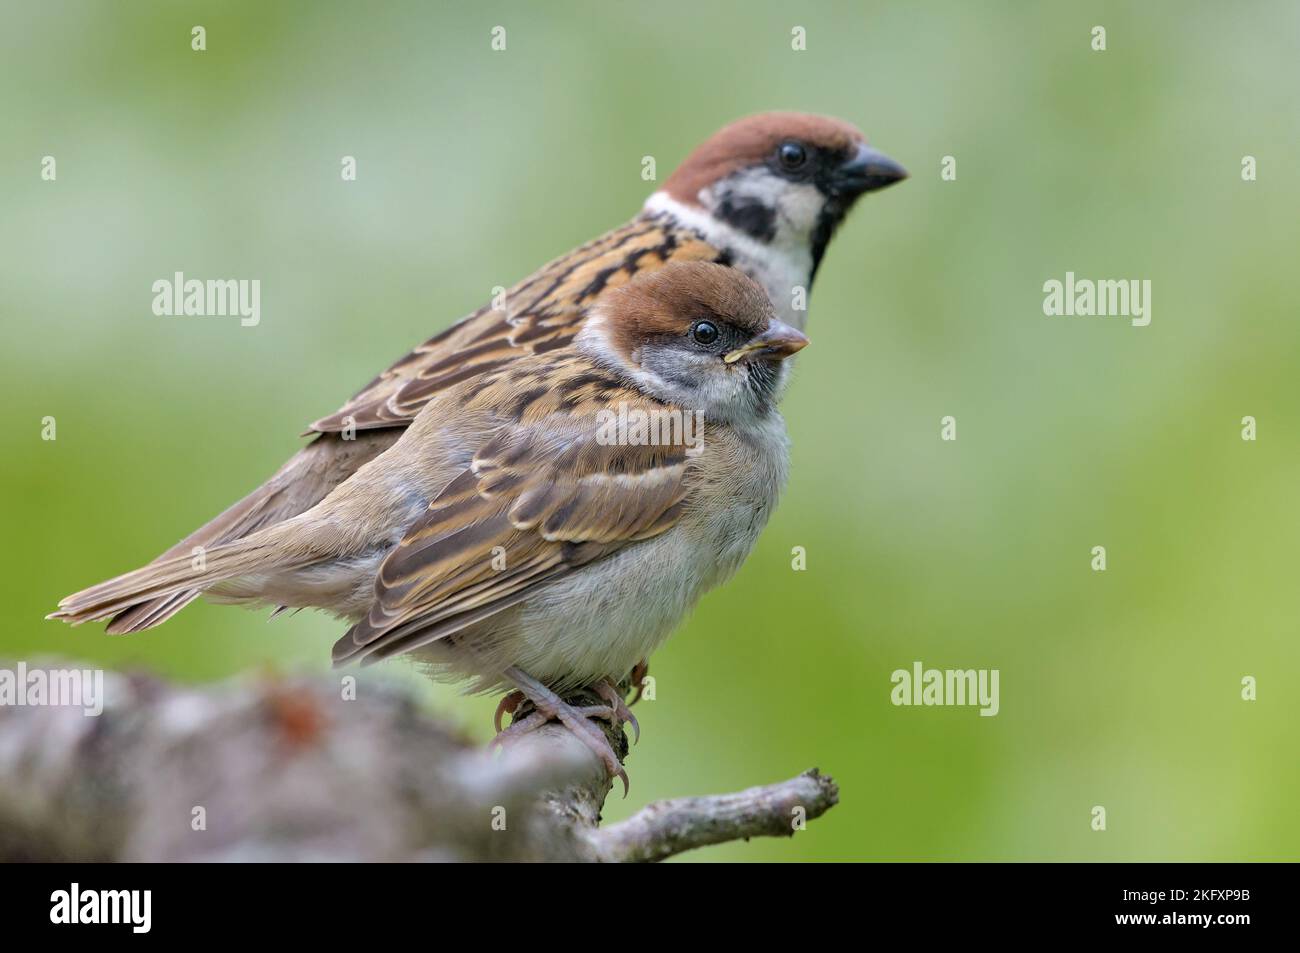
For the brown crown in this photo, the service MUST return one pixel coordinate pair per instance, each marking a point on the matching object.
(751, 140)
(668, 300)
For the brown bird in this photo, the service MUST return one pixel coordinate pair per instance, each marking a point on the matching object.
(543, 525)
(764, 195)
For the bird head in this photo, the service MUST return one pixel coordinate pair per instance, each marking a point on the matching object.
(782, 180)
(697, 334)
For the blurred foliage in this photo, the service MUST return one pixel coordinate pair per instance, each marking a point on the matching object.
(1118, 688)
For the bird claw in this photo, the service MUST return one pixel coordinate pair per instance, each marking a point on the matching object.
(548, 706)
(508, 706)
(639, 672)
(616, 771)
(518, 728)
(607, 690)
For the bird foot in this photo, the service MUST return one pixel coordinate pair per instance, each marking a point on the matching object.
(639, 672)
(508, 706)
(547, 706)
(608, 691)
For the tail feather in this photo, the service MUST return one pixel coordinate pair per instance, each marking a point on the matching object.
(145, 615)
(172, 583)
(298, 486)
(245, 517)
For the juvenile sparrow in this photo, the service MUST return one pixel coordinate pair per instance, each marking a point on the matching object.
(515, 534)
(765, 194)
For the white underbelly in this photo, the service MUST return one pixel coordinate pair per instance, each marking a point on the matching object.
(619, 611)
(610, 615)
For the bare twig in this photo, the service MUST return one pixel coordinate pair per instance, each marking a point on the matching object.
(666, 828)
(299, 769)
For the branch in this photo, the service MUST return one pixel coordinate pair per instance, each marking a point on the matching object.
(665, 828)
(290, 769)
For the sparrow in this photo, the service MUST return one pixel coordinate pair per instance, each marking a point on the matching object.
(763, 195)
(514, 536)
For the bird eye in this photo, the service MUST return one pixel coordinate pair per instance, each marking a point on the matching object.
(792, 155)
(704, 332)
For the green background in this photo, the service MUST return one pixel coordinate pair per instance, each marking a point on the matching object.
(1119, 689)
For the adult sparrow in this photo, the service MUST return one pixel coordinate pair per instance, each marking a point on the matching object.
(543, 525)
(765, 195)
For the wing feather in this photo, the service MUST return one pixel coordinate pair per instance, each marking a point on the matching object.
(542, 313)
(549, 504)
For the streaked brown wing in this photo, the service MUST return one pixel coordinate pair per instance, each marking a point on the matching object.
(551, 505)
(542, 313)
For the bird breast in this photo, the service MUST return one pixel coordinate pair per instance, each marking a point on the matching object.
(602, 620)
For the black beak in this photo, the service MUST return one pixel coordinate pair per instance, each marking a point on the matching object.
(865, 171)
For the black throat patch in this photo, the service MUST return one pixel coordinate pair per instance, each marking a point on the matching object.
(832, 214)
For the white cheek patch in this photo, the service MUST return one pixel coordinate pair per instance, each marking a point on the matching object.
(796, 205)
(798, 209)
